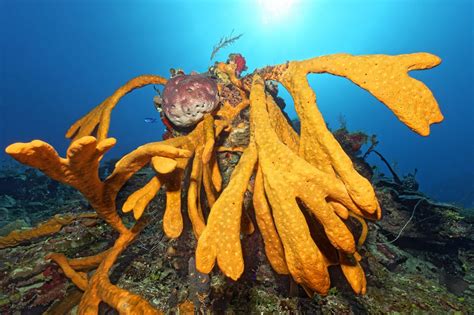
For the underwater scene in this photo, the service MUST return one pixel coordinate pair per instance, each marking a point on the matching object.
(236, 157)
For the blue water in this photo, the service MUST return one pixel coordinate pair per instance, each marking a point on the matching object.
(59, 59)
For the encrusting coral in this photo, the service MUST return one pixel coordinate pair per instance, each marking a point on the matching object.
(304, 186)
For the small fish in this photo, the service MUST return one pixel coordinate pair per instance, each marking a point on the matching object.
(150, 120)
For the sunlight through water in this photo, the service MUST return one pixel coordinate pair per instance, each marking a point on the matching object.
(276, 11)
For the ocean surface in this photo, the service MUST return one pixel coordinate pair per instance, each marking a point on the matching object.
(59, 59)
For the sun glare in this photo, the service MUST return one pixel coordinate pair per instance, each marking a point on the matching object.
(275, 11)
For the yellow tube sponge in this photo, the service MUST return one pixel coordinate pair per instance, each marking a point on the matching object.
(141, 198)
(273, 246)
(353, 272)
(163, 165)
(77, 278)
(99, 117)
(287, 179)
(280, 124)
(49, 227)
(305, 186)
(220, 240)
(386, 77)
(80, 168)
(100, 289)
(194, 205)
(173, 219)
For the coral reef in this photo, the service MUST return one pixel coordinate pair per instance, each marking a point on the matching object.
(306, 190)
(433, 273)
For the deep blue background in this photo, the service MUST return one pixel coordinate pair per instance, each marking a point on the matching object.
(61, 58)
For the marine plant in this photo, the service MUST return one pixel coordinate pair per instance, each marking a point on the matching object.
(305, 187)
